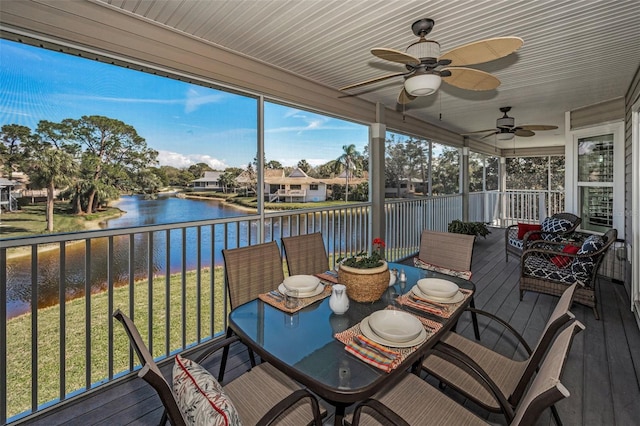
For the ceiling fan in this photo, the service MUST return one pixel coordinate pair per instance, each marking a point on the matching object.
(426, 68)
(506, 128)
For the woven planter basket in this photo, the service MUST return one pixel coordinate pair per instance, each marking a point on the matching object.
(364, 285)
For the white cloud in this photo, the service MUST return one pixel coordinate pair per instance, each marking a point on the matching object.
(175, 159)
(195, 99)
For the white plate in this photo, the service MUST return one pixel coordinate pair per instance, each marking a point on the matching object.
(366, 330)
(395, 326)
(282, 289)
(437, 287)
(302, 283)
(457, 298)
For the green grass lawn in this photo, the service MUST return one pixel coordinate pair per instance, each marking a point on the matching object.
(19, 330)
(31, 220)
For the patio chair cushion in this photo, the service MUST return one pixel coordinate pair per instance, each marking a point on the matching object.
(583, 267)
(552, 226)
(564, 261)
(200, 397)
(541, 267)
(466, 275)
(516, 243)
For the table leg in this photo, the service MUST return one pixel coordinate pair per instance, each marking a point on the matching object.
(339, 415)
(474, 319)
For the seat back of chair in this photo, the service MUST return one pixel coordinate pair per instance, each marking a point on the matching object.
(150, 371)
(252, 270)
(306, 254)
(575, 220)
(546, 388)
(447, 250)
(558, 318)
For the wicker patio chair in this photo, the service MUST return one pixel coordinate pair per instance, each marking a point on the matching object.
(505, 375)
(415, 402)
(306, 254)
(553, 228)
(450, 254)
(546, 267)
(261, 396)
(248, 272)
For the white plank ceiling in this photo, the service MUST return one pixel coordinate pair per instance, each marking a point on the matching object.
(575, 53)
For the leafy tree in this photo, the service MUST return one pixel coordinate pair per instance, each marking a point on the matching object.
(197, 170)
(445, 171)
(395, 163)
(14, 147)
(273, 164)
(304, 166)
(349, 160)
(113, 154)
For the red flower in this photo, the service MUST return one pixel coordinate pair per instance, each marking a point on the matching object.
(378, 243)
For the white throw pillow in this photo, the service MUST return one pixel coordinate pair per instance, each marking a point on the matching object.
(200, 397)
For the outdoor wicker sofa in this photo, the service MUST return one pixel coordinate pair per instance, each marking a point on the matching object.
(550, 267)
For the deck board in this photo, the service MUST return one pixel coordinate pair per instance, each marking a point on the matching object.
(602, 372)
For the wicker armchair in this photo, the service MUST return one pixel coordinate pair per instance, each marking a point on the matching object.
(548, 267)
(552, 229)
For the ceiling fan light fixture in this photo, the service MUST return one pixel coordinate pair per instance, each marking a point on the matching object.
(422, 84)
(504, 136)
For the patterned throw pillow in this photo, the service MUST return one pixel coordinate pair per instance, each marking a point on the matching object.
(582, 267)
(200, 397)
(556, 226)
(465, 275)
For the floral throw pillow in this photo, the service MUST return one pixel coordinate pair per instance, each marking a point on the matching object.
(200, 397)
(465, 275)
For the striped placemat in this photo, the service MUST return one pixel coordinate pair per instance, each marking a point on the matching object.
(302, 302)
(346, 337)
(444, 310)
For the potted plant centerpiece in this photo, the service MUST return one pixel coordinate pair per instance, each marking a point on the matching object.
(366, 277)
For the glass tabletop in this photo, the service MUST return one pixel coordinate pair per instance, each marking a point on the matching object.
(303, 344)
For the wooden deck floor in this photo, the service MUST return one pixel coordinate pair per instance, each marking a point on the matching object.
(602, 372)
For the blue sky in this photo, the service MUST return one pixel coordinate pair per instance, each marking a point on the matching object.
(185, 123)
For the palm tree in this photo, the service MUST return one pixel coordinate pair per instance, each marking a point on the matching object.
(51, 168)
(348, 160)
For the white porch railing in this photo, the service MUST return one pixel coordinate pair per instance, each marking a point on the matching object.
(170, 279)
(507, 208)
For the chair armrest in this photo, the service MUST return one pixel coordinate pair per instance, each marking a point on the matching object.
(382, 409)
(276, 411)
(505, 325)
(216, 345)
(469, 366)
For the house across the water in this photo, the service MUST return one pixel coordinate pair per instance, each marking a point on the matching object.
(210, 182)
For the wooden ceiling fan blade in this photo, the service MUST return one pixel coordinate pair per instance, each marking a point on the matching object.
(483, 51)
(395, 56)
(495, 132)
(538, 127)
(471, 79)
(479, 131)
(373, 80)
(524, 133)
(404, 97)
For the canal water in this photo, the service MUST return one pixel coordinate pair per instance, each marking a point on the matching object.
(139, 212)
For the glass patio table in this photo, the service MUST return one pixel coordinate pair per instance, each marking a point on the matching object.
(303, 345)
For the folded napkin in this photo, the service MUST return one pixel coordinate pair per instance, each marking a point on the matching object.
(373, 353)
(425, 306)
(329, 276)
